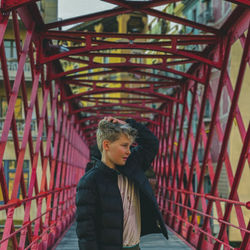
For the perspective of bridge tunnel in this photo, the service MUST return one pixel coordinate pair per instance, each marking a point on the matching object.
(182, 70)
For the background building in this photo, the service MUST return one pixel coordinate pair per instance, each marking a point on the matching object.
(123, 24)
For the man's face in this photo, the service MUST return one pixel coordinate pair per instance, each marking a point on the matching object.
(119, 150)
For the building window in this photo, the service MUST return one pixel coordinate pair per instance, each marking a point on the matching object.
(10, 49)
(10, 172)
(4, 107)
(194, 14)
(105, 60)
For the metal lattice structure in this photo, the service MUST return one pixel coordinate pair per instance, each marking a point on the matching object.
(177, 78)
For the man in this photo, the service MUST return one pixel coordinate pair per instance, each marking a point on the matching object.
(115, 202)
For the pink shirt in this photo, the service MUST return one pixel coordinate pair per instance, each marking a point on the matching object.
(131, 210)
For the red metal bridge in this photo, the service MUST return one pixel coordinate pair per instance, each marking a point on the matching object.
(202, 168)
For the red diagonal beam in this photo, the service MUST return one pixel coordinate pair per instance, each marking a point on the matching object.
(128, 67)
(6, 128)
(235, 185)
(140, 6)
(3, 182)
(121, 3)
(87, 18)
(14, 94)
(87, 75)
(156, 3)
(180, 20)
(234, 104)
(211, 129)
(3, 25)
(110, 72)
(153, 75)
(245, 3)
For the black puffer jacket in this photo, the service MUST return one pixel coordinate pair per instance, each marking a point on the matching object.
(99, 214)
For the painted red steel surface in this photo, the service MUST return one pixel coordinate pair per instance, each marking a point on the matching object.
(172, 102)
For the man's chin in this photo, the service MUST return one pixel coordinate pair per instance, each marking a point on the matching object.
(121, 165)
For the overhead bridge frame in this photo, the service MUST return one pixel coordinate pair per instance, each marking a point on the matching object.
(58, 128)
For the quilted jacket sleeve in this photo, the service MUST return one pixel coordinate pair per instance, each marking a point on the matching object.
(86, 213)
(148, 145)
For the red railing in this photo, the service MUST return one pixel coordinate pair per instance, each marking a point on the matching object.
(56, 160)
(202, 168)
(188, 208)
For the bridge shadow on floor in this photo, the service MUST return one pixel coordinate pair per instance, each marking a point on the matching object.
(148, 242)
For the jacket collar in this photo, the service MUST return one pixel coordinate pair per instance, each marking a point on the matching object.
(106, 169)
(124, 170)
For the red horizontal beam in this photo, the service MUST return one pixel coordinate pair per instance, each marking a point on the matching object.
(139, 92)
(116, 100)
(100, 108)
(114, 71)
(118, 115)
(153, 75)
(94, 82)
(130, 62)
(88, 48)
(60, 35)
(128, 56)
(159, 42)
(155, 87)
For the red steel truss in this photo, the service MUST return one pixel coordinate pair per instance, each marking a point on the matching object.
(171, 101)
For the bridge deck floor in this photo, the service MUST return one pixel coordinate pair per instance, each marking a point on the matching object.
(148, 242)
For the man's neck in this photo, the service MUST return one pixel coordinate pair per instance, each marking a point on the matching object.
(107, 162)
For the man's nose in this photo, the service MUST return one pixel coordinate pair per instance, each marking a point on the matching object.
(128, 151)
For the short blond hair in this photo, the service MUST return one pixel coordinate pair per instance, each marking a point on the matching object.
(112, 131)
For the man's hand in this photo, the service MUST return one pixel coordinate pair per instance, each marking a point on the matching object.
(114, 120)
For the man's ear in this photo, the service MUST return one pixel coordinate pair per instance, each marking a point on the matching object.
(105, 145)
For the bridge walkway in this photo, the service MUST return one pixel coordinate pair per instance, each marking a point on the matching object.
(68, 241)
